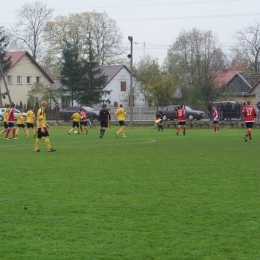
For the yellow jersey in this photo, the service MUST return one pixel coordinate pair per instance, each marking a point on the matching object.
(41, 116)
(120, 112)
(76, 117)
(6, 112)
(30, 117)
(20, 119)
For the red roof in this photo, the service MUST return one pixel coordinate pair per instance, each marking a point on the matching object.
(224, 77)
(16, 57)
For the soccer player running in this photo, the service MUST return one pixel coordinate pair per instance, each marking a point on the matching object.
(104, 117)
(75, 123)
(120, 116)
(10, 121)
(42, 127)
(20, 123)
(159, 119)
(181, 120)
(215, 120)
(30, 121)
(6, 111)
(249, 113)
(83, 121)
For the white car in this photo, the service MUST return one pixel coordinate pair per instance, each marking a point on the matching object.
(16, 112)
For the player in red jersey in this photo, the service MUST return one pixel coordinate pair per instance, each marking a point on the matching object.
(83, 120)
(10, 121)
(215, 119)
(249, 113)
(181, 120)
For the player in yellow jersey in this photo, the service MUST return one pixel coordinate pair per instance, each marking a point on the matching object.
(75, 123)
(20, 123)
(42, 127)
(30, 121)
(120, 116)
(6, 111)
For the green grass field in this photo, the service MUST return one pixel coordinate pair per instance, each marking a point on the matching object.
(152, 195)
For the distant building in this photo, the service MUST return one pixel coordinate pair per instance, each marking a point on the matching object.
(23, 73)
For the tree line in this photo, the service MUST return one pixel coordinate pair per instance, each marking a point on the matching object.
(72, 47)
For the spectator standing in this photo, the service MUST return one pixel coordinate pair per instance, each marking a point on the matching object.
(237, 109)
(220, 109)
(228, 110)
(209, 107)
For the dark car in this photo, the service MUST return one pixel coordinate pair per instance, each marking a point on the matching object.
(170, 113)
(66, 113)
(228, 114)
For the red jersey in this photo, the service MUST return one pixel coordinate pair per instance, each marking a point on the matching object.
(11, 115)
(84, 116)
(181, 114)
(215, 115)
(249, 113)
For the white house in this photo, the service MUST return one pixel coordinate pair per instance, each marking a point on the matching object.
(23, 73)
(118, 82)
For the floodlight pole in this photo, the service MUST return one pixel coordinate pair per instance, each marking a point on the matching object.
(131, 99)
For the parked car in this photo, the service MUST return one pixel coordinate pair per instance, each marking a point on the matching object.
(170, 113)
(225, 113)
(66, 113)
(16, 112)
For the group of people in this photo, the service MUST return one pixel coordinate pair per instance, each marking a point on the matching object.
(226, 109)
(40, 120)
(249, 114)
(79, 120)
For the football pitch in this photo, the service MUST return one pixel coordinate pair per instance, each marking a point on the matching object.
(152, 196)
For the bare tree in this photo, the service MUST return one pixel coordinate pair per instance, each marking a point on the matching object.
(248, 46)
(193, 60)
(74, 29)
(28, 32)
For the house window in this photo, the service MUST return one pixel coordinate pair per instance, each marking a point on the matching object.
(19, 79)
(123, 86)
(9, 80)
(28, 80)
(38, 79)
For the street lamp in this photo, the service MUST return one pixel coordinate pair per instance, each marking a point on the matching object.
(131, 100)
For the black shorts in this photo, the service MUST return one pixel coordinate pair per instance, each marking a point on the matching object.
(5, 125)
(182, 123)
(215, 122)
(21, 125)
(249, 124)
(40, 134)
(84, 123)
(121, 123)
(75, 124)
(29, 125)
(10, 124)
(104, 123)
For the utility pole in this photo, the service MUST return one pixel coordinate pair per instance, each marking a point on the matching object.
(131, 99)
(6, 88)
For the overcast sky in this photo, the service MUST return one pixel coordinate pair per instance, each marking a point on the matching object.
(155, 24)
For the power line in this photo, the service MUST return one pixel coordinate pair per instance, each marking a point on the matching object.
(144, 5)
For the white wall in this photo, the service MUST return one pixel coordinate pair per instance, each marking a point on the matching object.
(19, 92)
(121, 97)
